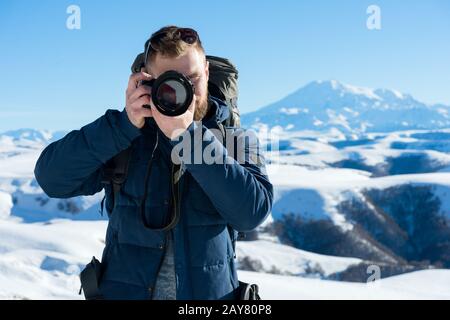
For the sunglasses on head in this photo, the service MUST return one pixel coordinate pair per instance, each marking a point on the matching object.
(187, 35)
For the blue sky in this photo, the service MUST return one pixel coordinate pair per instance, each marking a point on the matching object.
(55, 78)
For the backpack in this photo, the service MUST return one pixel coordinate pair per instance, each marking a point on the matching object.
(222, 84)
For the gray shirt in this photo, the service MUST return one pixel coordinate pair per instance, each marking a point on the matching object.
(165, 288)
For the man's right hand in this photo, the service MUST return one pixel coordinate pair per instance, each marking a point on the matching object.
(136, 97)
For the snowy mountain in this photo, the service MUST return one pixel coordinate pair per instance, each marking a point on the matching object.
(382, 198)
(323, 105)
(30, 136)
(356, 186)
(367, 169)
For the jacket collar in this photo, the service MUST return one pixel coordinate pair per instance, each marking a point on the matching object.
(220, 114)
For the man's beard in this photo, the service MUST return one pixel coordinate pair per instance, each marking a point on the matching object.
(201, 108)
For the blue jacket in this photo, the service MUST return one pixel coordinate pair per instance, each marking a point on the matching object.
(212, 196)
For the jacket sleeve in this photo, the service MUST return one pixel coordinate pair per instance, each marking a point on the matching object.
(72, 166)
(236, 184)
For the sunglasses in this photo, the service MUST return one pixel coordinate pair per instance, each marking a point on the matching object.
(188, 35)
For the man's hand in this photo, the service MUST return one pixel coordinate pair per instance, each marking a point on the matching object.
(136, 97)
(172, 127)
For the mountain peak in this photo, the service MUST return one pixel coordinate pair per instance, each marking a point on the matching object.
(330, 104)
(391, 94)
(343, 88)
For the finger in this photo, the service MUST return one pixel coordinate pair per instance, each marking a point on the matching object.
(133, 86)
(135, 78)
(139, 109)
(144, 100)
(146, 113)
(139, 92)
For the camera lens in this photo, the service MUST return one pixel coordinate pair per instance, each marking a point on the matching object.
(172, 93)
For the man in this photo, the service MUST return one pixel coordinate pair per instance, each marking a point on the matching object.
(142, 260)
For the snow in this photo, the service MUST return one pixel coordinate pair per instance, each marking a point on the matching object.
(398, 94)
(386, 93)
(314, 194)
(33, 207)
(290, 111)
(443, 111)
(17, 158)
(340, 179)
(306, 184)
(351, 111)
(423, 285)
(43, 260)
(356, 110)
(369, 93)
(323, 179)
(291, 261)
(5, 204)
(43, 246)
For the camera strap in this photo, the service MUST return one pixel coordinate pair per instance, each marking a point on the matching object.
(175, 190)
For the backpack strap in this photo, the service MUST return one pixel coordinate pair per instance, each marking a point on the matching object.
(115, 172)
(234, 235)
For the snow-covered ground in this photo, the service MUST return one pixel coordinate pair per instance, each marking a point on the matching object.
(319, 191)
(44, 243)
(326, 157)
(286, 260)
(43, 260)
(428, 284)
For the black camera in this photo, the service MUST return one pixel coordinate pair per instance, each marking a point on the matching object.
(172, 93)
